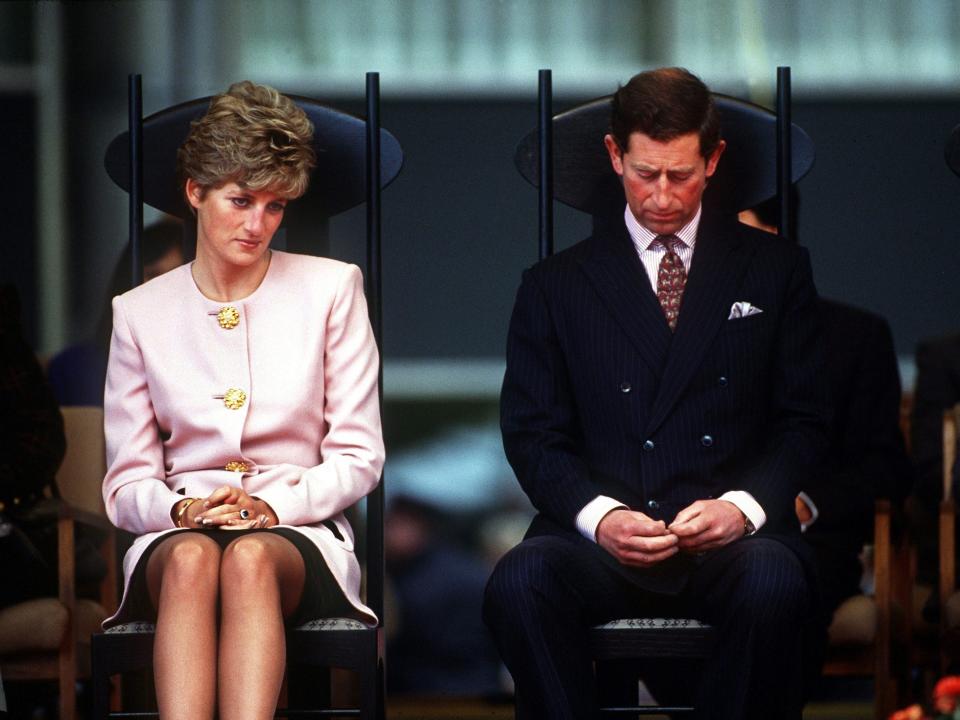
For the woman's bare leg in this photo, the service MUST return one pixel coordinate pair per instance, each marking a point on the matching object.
(183, 576)
(261, 582)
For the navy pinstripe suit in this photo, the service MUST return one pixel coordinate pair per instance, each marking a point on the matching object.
(600, 398)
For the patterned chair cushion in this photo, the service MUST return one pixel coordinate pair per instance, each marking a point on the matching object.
(324, 624)
(137, 627)
(318, 625)
(652, 624)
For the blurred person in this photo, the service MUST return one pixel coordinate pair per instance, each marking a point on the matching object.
(937, 390)
(242, 419)
(439, 645)
(32, 446)
(662, 428)
(77, 373)
(866, 459)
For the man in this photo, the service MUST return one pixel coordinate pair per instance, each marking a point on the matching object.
(866, 457)
(662, 427)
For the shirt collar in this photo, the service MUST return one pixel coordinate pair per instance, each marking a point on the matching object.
(642, 237)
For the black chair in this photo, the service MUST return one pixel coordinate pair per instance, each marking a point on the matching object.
(356, 159)
(567, 151)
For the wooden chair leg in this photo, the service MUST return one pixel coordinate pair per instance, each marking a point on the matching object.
(947, 576)
(883, 565)
(67, 596)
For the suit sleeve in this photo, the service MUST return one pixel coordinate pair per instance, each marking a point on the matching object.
(868, 459)
(134, 492)
(352, 449)
(538, 415)
(799, 411)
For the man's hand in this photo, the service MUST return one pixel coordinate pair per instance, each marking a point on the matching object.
(708, 525)
(635, 539)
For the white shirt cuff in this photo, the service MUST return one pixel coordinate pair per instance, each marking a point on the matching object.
(748, 506)
(593, 512)
(814, 513)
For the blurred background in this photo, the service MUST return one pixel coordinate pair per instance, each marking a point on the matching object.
(876, 85)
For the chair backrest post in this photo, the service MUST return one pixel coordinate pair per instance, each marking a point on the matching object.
(545, 137)
(375, 501)
(135, 119)
(784, 153)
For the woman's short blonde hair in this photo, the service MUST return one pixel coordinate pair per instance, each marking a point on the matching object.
(253, 136)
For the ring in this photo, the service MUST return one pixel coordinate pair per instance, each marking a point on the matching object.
(244, 513)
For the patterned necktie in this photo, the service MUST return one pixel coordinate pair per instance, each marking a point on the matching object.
(671, 279)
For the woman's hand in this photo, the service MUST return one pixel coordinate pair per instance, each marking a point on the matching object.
(231, 508)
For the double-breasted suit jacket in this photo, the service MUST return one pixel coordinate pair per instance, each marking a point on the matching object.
(600, 398)
(275, 393)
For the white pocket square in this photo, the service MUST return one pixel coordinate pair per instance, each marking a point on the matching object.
(742, 309)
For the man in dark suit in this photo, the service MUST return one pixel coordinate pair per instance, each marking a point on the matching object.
(866, 458)
(662, 406)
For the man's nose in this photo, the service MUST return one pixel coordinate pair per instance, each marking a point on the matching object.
(663, 193)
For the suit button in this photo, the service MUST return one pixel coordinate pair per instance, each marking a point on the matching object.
(648, 445)
(625, 387)
(228, 317)
(653, 504)
(706, 440)
(722, 380)
(236, 466)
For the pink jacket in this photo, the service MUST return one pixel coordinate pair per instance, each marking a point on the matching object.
(307, 437)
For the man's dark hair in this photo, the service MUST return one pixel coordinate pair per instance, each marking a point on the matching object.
(664, 104)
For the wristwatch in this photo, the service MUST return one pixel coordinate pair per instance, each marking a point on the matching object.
(748, 527)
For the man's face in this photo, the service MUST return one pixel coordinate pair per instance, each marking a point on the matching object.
(663, 181)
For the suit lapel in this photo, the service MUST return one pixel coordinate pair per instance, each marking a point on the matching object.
(618, 277)
(719, 263)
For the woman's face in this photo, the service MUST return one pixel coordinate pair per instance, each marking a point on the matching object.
(235, 225)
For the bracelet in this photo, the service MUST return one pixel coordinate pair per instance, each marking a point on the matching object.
(183, 509)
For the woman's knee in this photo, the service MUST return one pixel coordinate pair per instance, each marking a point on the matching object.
(191, 561)
(251, 557)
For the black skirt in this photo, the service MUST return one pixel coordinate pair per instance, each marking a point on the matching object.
(322, 595)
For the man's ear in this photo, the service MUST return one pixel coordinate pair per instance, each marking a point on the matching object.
(616, 154)
(715, 157)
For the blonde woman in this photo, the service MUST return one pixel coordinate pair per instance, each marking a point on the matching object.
(241, 420)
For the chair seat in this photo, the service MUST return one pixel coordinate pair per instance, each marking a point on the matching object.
(652, 624)
(31, 633)
(332, 624)
(952, 611)
(139, 627)
(854, 622)
(652, 638)
(38, 625)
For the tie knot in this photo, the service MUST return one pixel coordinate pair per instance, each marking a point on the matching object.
(668, 242)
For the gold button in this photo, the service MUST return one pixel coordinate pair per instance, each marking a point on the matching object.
(228, 317)
(236, 466)
(234, 398)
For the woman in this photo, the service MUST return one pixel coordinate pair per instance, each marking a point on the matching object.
(241, 418)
